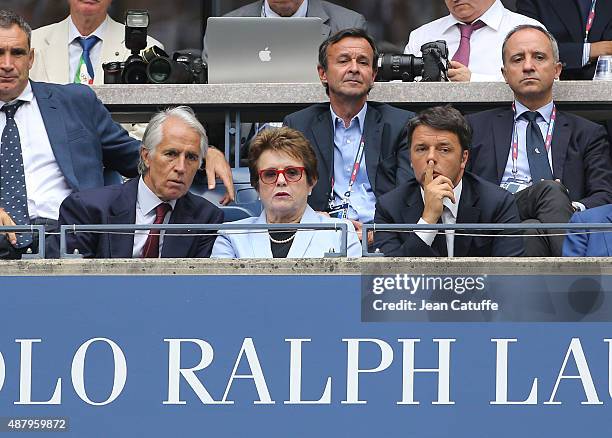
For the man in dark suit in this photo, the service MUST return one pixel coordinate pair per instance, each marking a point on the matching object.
(348, 124)
(334, 17)
(575, 171)
(588, 243)
(442, 192)
(60, 138)
(567, 21)
(172, 151)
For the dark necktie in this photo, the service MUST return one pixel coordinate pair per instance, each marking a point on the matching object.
(13, 194)
(536, 150)
(462, 54)
(439, 242)
(87, 44)
(151, 247)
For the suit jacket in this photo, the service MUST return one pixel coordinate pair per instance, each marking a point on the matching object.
(580, 153)
(306, 244)
(566, 22)
(83, 136)
(51, 60)
(117, 205)
(597, 244)
(481, 202)
(386, 147)
(334, 17)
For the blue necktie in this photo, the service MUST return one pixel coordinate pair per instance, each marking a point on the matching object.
(87, 44)
(13, 194)
(536, 150)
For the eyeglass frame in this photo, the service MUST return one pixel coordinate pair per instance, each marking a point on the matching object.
(279, 171)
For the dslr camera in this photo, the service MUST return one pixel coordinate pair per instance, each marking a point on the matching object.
(153, 65)
(431, 67)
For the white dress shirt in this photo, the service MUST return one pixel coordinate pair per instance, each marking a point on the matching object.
(449, 216)
(485, 43)
(75, 50)
(45, 182)
(146, 201)
(266, 11)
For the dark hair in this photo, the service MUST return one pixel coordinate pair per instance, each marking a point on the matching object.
(353, 32)
(285, 141)
(551, 38)
(443, 118)
(9, 19)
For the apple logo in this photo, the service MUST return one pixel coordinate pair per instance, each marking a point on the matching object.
(265, 55)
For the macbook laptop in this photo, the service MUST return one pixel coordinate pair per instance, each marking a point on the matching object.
(260, 49)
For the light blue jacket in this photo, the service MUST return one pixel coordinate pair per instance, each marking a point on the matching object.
(307, 244)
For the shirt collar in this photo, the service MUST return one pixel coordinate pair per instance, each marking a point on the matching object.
(360, 116)
(545, 111)
(147, 200)
(26, 95)
(301, 12)
(492, 17)
(73, 32)
(453, 208)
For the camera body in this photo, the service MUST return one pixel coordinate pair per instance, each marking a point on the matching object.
(185, 67)
(431, 67)
(153, 65)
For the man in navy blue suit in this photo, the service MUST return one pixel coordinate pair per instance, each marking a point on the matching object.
(173, 147)
(64, 137)
(553, 162)
(443, 192)
(351, 132)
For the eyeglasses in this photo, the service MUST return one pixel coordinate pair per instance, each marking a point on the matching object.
(291, 174)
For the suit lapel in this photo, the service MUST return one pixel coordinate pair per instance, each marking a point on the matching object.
(603, 10)
(315, 9)
(323, 132)
(373, 136)
(178, 246)
(502, 139)
(114, 36)
(414, 201)
(123, 211)
(561, 135)
(303, 237)
(56, 59)
(53, 120)
(467, 213)
(571, 17)
(260, 240)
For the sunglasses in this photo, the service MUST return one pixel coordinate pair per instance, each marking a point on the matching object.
(291, 174)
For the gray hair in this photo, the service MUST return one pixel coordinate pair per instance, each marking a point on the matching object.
(154, 133)
(551, 38)
(9, 19)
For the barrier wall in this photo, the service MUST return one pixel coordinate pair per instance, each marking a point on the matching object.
(280, 348)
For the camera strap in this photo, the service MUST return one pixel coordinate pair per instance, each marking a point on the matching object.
(354, 172)
(547, 141)
(590, 19)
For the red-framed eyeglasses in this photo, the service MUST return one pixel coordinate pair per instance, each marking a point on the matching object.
(291, 174)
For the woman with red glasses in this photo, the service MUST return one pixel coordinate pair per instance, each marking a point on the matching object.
(283, 170)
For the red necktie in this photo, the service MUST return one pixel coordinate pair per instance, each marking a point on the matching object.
(151, 247)
(462, 54)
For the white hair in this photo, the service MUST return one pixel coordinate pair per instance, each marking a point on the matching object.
(154, 133)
